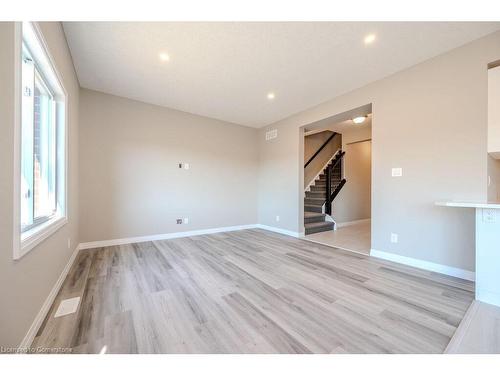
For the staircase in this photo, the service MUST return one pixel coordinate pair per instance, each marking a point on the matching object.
(331, 181)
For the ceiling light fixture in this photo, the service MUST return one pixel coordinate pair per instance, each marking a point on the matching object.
(370, 38)
(164, 56)
(359, 119)
(271, 96)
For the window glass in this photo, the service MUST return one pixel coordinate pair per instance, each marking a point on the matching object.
(38, 154)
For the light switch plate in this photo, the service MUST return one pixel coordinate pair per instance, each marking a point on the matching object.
(397, 172)
(394, 238)
(186, 220)
(186, 165)
(67, 306)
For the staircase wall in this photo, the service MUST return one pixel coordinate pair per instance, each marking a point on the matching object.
(311, 144)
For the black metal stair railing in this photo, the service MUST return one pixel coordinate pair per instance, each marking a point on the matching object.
(320, 149)
(332, 191)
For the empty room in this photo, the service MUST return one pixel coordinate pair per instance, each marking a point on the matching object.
(249, 187)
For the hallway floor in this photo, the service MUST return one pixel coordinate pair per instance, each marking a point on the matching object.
(355, 237)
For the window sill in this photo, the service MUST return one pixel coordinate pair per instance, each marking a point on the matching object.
(33, 237)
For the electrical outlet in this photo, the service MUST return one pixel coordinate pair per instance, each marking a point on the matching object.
(397, 172)
(394, 238)
(277, 218)
(186, 220)
(186, 165)
(179, 221)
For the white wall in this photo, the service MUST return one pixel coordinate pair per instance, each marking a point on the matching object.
(130, 181)
(431, 120)
(26, 283)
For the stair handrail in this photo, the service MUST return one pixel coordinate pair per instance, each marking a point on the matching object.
(329, 195)
(320, 149)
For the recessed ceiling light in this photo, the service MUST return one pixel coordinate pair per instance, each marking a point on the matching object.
(271, 96)
(164, 56)
(359, 119)
(370, 38)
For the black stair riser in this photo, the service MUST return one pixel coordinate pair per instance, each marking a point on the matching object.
(313, 208)
(319, 229)
(314, 201)
(314, 219)
(315, 194)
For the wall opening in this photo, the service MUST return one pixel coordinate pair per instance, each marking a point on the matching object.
(337, 179)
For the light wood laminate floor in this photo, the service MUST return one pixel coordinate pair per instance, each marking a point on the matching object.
(355, 237)
(479, 331)
(251, 291)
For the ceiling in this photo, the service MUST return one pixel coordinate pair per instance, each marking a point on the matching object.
(225, 70)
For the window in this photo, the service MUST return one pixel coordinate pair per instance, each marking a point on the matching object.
(38, 162)
(42, 145)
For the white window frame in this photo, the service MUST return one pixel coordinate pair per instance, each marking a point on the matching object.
(25, 241)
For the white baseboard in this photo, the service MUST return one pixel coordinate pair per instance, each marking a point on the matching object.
(425, 265)
(347, 223)
(35, 326)
(280, 230)
(164, 236)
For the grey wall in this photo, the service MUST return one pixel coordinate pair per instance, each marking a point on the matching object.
(26, 283)
(354, 200)
(130, 181)
(431, 120)
(312, 143)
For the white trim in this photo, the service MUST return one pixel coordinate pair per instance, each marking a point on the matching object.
(321, 170)
(164, 236)
(425, 265)
(16, 203)
(167, 236)
(462, 329)
(35, 326)
(280, 230)
(348, 223)
(21, 246)
(39, 233)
